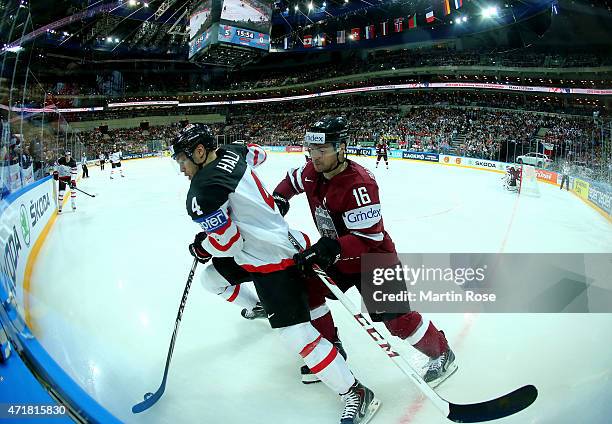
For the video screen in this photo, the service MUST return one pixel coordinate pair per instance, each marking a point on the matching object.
(255, 15)
(199, 21)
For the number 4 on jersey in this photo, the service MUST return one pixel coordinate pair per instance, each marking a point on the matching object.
(195, 208)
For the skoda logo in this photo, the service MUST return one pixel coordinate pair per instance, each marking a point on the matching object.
(24, 219)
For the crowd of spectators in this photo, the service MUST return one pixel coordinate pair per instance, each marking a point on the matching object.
(129, 140)
(476, 124)
(466, 131)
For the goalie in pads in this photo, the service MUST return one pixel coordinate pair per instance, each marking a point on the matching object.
(512, 179)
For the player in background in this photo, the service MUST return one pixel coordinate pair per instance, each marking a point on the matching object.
(66, 172)
(513, 175)
(381, 152)
(565, 171)
(84, 167)
(248, 239)
(115, 159)
(336, 189)
(102, 159)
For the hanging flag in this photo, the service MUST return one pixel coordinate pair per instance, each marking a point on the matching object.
(341, 37)
(429, 17)
(458, 4)
(370, 32)
(307, 41)
(384, 28)
(412, 23)
(399, 24)
(446, 7)
(286, 43)
(356, 34)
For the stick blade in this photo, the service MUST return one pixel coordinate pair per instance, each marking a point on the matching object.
(494, 409)
(148, 401)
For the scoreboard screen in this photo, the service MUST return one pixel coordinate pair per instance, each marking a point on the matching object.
(200, 22)
(244, 37)
(255, 15)
(224, 24)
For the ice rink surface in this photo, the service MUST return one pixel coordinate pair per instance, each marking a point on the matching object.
(107, 284)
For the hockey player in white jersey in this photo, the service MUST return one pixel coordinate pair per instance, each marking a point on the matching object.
(244, 229)
(66, 172)
(115, 159)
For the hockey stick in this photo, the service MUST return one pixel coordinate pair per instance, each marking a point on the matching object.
(493, 409)
(84, 192)
(151, 398)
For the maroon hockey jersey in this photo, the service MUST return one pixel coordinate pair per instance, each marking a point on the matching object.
(346, 208)
(381, 149)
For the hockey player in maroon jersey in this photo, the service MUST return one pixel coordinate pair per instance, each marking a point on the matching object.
(246, 238)
(338, 189)
(66, 172)
(381, 152)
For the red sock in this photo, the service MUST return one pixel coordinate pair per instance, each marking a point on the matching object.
(325, 326)
(419, 332)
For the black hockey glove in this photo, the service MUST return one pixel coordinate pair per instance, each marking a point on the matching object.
(72, 184)
(281, 203)
(196, 249)
(324, 253)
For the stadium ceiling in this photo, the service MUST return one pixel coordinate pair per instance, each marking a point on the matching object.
(128, 28)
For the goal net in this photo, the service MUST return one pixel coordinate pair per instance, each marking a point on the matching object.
(528, 181)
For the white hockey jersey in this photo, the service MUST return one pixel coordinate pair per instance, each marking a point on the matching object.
(67, 170)
(115, 157)
(230, 203)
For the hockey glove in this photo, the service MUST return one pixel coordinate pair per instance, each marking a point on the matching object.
(73, 184)
(55, 175)
(196, 249)
(324, 253)
(281, 203)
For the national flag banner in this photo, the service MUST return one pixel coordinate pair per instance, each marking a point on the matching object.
(399, 24)
(429, 17)
(412, 23)
(341, 37)
(370, 32)
(384, 28)
(308, 41)
(458, 4)
(446, 7)
(356, 34)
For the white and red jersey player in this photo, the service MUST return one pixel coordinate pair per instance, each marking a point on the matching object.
(225, 199)
(245, 232)
(66, 173)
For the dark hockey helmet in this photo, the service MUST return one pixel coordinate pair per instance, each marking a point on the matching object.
(190, 137)
(331, 129)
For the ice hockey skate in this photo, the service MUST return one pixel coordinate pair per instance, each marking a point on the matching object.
(360, 405)
(255, 313)
(440, 368)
